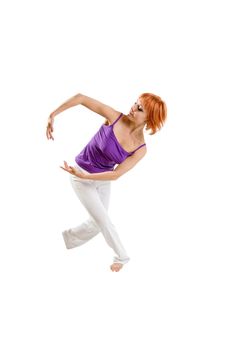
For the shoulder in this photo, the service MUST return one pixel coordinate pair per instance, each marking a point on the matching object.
(116, 116)
(140, 153)
(125, 120)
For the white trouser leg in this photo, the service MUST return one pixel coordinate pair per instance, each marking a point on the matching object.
(76, 236)
(88, 192)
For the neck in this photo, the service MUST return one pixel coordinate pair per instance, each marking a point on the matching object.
(136, 129)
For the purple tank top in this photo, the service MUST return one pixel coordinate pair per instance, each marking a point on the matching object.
(103, 151)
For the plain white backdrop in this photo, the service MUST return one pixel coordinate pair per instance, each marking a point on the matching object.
(172, 211)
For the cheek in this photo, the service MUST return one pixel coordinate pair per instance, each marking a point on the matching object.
(143, 119)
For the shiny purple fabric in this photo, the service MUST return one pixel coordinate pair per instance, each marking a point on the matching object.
(103, 151)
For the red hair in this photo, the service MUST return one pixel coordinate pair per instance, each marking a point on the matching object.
(156, 111)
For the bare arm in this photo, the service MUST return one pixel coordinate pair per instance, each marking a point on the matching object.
(130, 162)
(100, 108)
(90, 103)
(121, 169)
(94, 105)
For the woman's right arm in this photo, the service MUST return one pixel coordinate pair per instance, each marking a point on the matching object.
(94, 105)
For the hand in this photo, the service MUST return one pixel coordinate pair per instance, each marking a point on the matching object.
(72, 170)
(50, 129)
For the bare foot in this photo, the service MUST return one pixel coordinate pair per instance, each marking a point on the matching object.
(116, 266)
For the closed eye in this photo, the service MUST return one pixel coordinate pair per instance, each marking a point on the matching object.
(139, 107)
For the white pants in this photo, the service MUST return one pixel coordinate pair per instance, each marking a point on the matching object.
(94, 195)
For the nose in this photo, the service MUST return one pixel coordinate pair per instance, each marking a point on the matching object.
(134, 107)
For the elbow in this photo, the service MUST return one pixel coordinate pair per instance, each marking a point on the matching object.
(78, 99)
(78, 95)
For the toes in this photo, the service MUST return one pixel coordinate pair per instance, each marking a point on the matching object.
(116, 267)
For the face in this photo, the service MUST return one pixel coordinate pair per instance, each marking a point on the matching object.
(137, 112)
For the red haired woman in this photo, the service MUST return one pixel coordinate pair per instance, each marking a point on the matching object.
(116, 147)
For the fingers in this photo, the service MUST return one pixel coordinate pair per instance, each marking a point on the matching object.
(50, 136)
(65, 169)
(49, 133)
(68, 168)
(50, 129)
(71, 170)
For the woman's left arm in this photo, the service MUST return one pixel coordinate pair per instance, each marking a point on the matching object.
(121, 169)
(129, 162)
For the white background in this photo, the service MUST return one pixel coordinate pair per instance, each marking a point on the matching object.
(172, 210)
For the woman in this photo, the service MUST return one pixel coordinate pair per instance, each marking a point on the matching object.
(119, 141)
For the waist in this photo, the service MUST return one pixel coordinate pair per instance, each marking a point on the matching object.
(82, 170)
(89, 167)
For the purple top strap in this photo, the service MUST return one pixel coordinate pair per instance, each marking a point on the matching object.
(117, 119)
(144, 144)
(116, 122)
